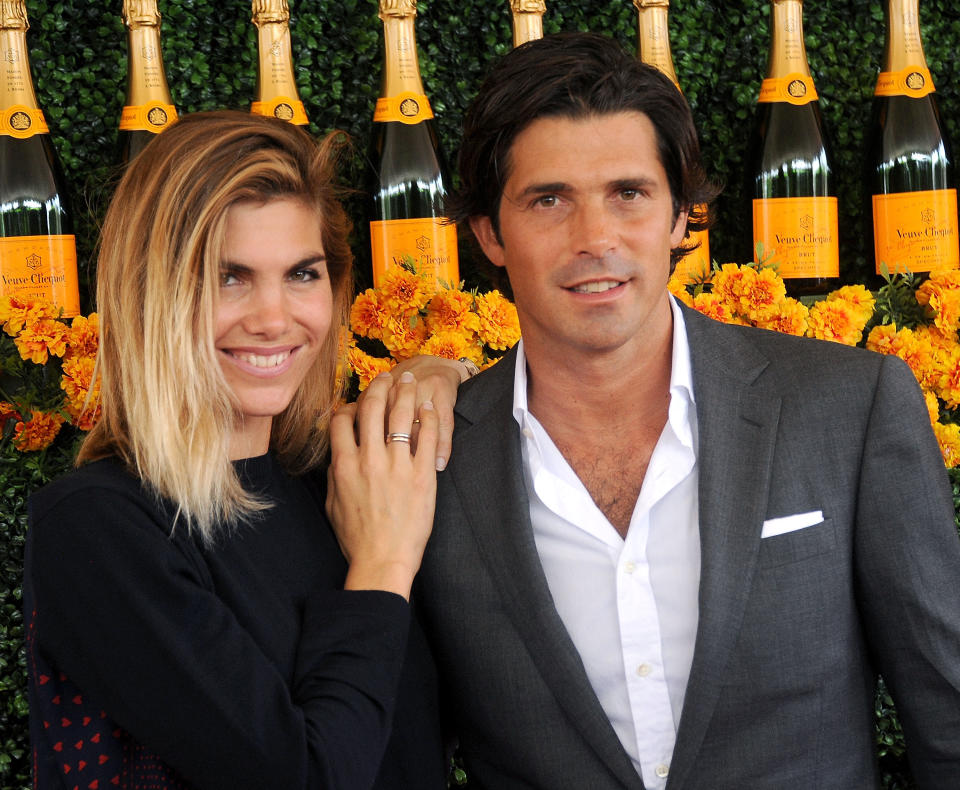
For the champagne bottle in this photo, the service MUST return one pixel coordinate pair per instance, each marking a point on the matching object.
(654, 49)
(794, 202)
(38, 257)
(148, 109)
(409, 190)
(277, 93)
(913, 193)
(527, 20)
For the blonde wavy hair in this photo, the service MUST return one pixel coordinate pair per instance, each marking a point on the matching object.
(167, 409)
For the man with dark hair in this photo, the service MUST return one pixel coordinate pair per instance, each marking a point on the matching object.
(671, 553)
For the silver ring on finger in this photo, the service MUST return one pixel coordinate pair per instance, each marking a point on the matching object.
(398, 437)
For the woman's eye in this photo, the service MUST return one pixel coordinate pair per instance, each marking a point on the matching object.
(304, 275)
(228, 278)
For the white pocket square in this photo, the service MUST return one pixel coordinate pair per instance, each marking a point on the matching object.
(779, 526)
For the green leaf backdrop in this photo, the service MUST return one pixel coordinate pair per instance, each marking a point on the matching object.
(78, 54)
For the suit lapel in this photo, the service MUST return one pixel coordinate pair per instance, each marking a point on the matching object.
(737, 430)
(494, 497)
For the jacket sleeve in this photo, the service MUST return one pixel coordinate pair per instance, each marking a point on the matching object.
(907, 556)
(130, 615)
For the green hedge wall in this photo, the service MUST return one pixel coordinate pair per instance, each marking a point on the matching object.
(78, 53)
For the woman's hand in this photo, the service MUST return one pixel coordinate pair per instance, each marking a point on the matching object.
(437, 382)
(381, 490)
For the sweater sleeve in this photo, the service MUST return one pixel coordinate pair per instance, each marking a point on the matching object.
(132, 617)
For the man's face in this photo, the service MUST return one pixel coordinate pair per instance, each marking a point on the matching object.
(586, 228)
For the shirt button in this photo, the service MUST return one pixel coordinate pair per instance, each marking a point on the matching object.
(662, 770)
(643, 670)
(629, 567)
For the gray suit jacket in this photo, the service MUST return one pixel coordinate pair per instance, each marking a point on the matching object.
(792, 628)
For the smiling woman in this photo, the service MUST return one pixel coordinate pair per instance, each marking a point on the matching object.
(192, 619)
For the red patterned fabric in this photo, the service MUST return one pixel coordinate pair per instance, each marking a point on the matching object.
(75, 744)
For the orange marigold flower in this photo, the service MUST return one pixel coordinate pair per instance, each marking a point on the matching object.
(857, 298)
(76, 383)
(728, 283)
(921, 358)
(453, 344)
(834, 321)
(760, 294)
(38, 432)
(368, 315)
(16, 313)
(933, 406)
(943, 304)
(948, 437)
(452, 309)
(41, 338)
(790, 318)
(83, 336)
(885, 339)
(403, 292)
(499, 324)
(403, 335)
(677, 286)
(367, 367)
(7, 412)
(713, 306)
(938, 340)
(946, 379)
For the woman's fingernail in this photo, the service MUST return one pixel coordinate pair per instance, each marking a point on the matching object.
(427, 404)
(406, 377)
(441, 463)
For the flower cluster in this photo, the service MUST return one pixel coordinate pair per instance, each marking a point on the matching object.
(46, 372)
(918, 324)
(404, 317)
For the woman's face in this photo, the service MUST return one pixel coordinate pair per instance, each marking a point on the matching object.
(273, 311)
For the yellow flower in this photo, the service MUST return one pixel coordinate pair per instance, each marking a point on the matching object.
(858, 298)
(933, 406)
(403, 292)
(712, 306)
(366, 367)
(403, 335)
(886, 339)
(453, 344)
(41, 338)
(790, 318)
(16, 313)
(948, 437)
(83, 336)
(942, 301)
(38, 432)
(677, 286)
(919, 355)
(834, 321)
(499, 325)
(452, 309)
(760, 294)
(368, 315)
(728, 283)
(76, 383)
(946, 379)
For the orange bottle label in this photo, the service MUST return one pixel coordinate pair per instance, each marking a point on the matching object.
(406, 107)
(282, 107)
(429, 244)
(800, 234)
(153, 117)
(41, 267)
(916, 231)
(22, 122)
(794, 89)
(695, 266)
(912, 81)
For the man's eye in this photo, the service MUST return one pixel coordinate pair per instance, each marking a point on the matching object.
(629, 194)
(547, 201)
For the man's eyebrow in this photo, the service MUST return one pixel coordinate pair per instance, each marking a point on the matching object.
(540, 189)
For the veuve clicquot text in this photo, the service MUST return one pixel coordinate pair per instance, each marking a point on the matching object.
(38, 257)
(791, 182)
(277, 93)
(912, 188)
(527, 17)
(653, 47)
(409, 224)
(148, 109)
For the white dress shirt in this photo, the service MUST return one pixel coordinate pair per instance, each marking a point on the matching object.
(630, 605)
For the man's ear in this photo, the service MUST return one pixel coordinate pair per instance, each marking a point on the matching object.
(482, 228)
